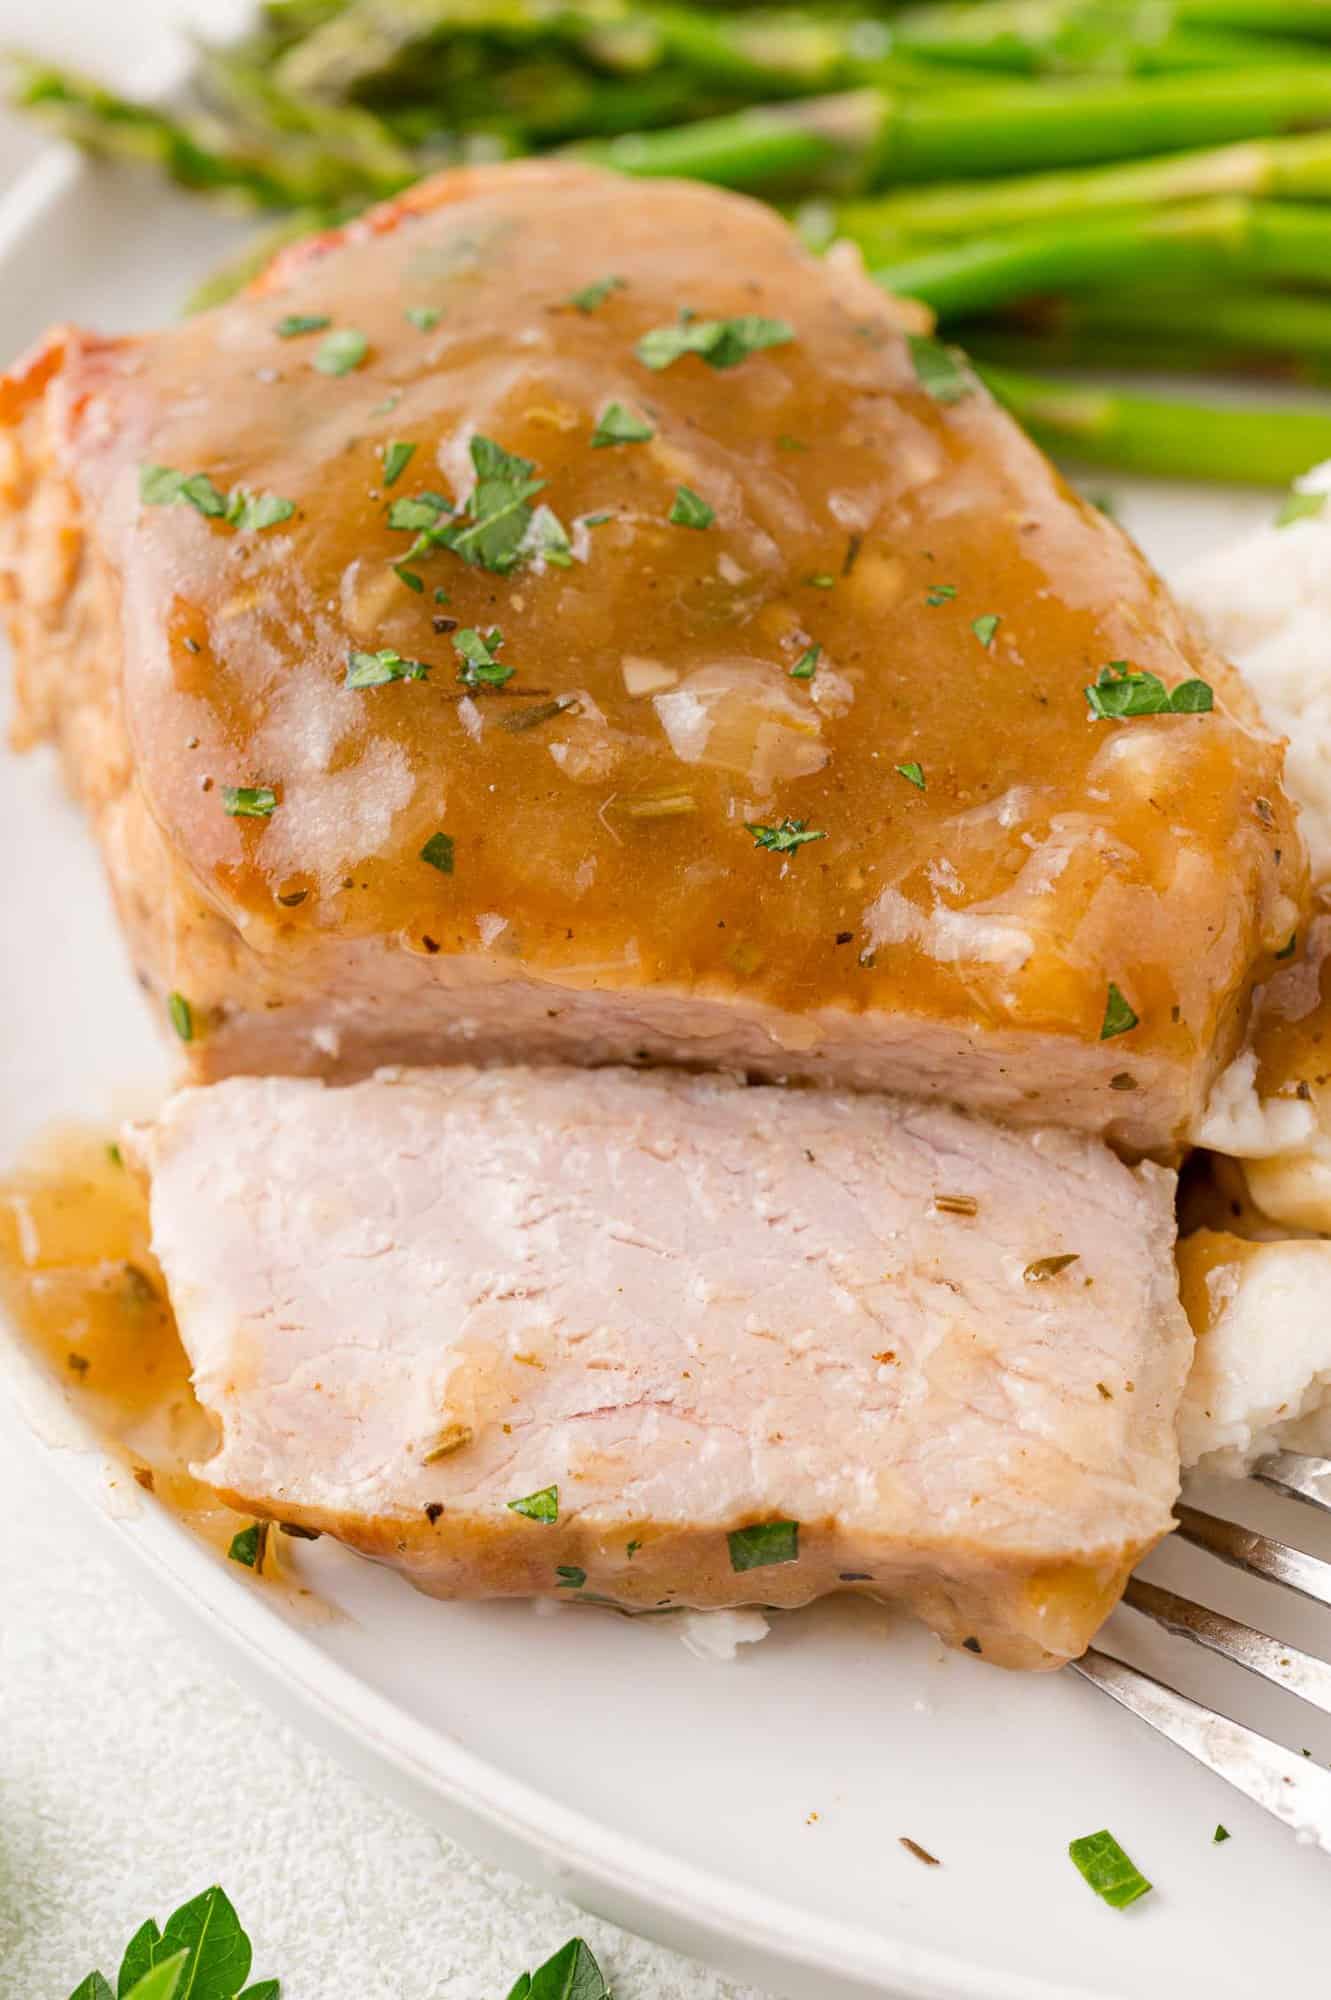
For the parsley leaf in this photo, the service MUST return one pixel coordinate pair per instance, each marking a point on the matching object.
(94, 1987)
(617, 424)
(165, 1980)
(208, 1929)
(546, 539)
(424, 317)
(295, 323)
(341, 351)
(570, 1576)
(438, 851)
(498, 509)
(249, 801)
(372, 670)
(913, 773)
(690, 510)
(181, 1016)
(138, 1957)
(594, 295)
(162, 486)
(781, 839)
(1119, 1016)
(943, 371)
(942, 593)
(478, 652)
(1121, 691)
(252, 511)
(397, 457)
(721, 343)
(247, 1548)
(542, 1506)
(985, 628)
(572, 1974)
(803, 669)
(1221, 1833)
(1106, 1868)
(764, 1544)
(422, 511)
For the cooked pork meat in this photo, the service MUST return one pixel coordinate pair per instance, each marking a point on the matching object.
(756, 738)
(525, 1332)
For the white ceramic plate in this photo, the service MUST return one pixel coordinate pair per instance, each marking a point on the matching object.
(749, 1813)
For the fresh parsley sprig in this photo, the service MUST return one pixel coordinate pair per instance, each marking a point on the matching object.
(204, 1954)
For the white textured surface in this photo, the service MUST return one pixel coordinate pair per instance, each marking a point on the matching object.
(133, 1773)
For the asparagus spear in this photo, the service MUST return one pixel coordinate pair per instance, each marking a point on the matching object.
(870, 138)
(1064, 36)
(1191, 241)
(883, 225)
(1156, 434)
(1127, 350)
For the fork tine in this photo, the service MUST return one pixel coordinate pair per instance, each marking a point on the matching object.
(1285, 1666)
(1303, 1478)
(1256, 1553)
(1295, 1790)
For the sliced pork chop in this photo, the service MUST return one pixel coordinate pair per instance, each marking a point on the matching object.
(781, 759)
(673, 1341)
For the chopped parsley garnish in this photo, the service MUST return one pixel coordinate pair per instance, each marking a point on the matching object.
(570, 1576)
(690, 510)
(985, 628)
(721, 343)
(422, 510)
(1121, 691)
(1106, 1868)
(249, 801)
(783, 839)
(397, 457)
(631, 1549)
(820, 580)
(764, 1544)
(478, 654)
(248, 1545)
(372, 670)
(806, 665)
(617, 424)
(409, 577)
(942, 593)
(162, 486)
(787, 443)
(341, 351)
(912, 773)
(594, 295)
(498, 510)
(295, 323)
(542, 1506)
(943, 371)
(438, 851)
(546, 539)
(1221, 1833)
(1298, 506)
(1119, 1016)
(424, 317)
(181, 1016)
(596, 520)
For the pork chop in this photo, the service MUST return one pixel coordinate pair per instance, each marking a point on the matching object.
(668, 1340)
(568, 620)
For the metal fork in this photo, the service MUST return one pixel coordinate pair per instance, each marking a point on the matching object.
(1296, 1791)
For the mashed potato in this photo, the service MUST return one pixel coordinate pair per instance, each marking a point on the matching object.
(1261, 1380)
